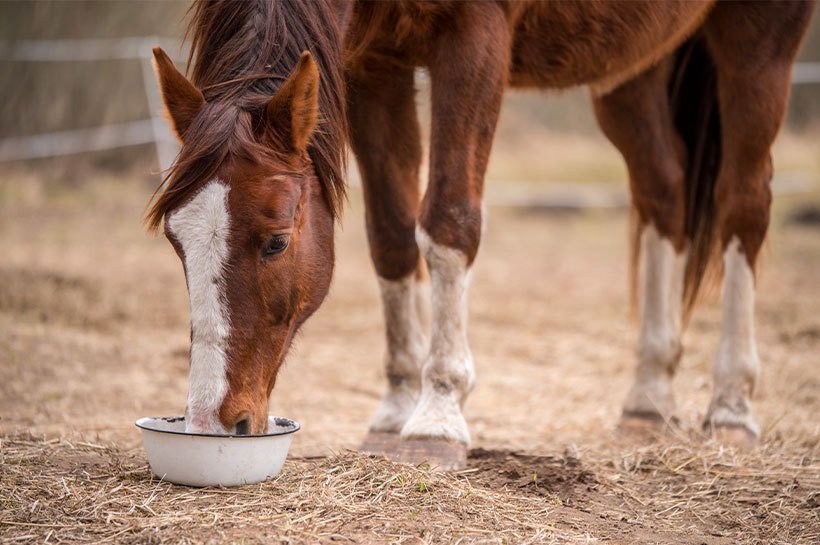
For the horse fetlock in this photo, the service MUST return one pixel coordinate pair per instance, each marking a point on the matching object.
(651, 397)
(403, 387)
(437, 416)
(659, 356)
(404, 368)
(737, 367)
(395, 408)
(731, 411)
(446, 383)
(454, 374)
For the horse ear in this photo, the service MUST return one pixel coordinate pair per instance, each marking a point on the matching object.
(182, 100)
(294, 108)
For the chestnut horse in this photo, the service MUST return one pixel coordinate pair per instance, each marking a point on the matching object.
(691, 93)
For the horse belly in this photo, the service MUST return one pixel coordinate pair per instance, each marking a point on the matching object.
(601, 44)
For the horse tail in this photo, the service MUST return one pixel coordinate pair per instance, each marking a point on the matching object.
(696, 113)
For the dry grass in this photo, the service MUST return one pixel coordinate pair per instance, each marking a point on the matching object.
(63, 491)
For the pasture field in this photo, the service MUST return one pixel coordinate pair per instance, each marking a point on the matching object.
(94, 334)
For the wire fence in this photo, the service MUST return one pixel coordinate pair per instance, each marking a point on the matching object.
(153, 130)
(68, 142)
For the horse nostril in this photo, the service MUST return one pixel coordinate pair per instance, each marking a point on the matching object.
(243, 427)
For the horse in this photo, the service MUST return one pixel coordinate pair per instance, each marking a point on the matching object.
(691, 93)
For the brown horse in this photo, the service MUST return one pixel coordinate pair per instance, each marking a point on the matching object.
(691, 93)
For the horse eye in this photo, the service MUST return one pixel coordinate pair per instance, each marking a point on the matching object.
(275, 245)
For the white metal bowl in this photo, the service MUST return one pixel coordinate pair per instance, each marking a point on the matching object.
(214, 460)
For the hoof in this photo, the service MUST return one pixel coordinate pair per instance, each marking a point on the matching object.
(437, 453)
(644, 425)
(739, 437)
(380, 443)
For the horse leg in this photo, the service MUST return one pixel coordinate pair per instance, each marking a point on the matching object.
(637, 118)
(385, 137)
(468, 73)
(752, 93)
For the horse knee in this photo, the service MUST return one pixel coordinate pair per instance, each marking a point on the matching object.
(393, 248)
(455, 226)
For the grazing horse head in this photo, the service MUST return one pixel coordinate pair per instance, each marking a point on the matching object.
(246, 213)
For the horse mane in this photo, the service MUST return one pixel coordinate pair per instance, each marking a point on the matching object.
(241, 53)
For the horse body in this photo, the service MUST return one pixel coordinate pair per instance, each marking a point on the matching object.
(601, 44)
(691, 93)
(553, 44)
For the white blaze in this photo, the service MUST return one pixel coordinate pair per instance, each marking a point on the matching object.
(201, 227)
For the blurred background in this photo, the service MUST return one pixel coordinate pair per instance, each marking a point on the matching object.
(78, 97)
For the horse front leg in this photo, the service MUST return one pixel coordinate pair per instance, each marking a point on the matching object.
(468, 74)
(386, 140)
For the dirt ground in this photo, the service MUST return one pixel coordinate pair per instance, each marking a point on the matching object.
(94, 334)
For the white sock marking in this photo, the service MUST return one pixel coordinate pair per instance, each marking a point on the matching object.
(659, 347)
(737, 364)
(202, 228)
(448, 374)
(406, 348)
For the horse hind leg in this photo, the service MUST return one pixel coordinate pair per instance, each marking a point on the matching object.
(386, 140)
(636, 117)
(650, 402)
(752, 93)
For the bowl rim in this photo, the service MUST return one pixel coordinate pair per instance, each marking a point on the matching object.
(292, 427)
